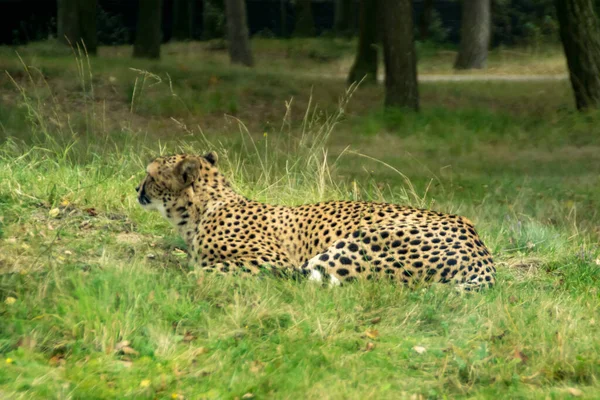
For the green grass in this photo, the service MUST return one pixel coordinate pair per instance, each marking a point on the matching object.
(83, 268)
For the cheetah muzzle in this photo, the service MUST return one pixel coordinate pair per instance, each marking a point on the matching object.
(335, 241)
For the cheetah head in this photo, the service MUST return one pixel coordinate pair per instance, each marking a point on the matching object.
(170, 178)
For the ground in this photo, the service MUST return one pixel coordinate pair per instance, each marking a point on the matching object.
(96, 298)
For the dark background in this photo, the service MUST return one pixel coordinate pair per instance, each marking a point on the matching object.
(22, 21)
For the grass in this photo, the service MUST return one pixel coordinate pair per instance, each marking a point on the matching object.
(96, 297)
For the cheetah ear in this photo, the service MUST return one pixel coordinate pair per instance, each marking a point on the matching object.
(212, 157)
(187, 171)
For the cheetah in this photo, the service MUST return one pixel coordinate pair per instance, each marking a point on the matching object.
(330, 242)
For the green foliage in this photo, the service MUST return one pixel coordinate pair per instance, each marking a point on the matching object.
(111, 29)
(530, 22)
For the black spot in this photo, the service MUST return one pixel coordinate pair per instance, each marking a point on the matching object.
(345, 261)
(342, 272)
(375, 247)
(417, 264)
(396, 243)
(425, 248)
(324, 257)
(415, 242)
(384, 235)
(353, 247)
(397, 265)
(451, 261)
(340, 245)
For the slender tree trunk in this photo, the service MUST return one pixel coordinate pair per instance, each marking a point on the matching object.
(77, 23)
(148, 33)
(365, 64)
(344, 15)
(425, 19)
(401, 88)
(237, 33)
(475, 34)
(580, 35)
(305, 23)
(183, 17)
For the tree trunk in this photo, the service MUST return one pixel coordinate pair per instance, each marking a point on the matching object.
(183, 17)
(305, 23)
(344, 16)
(475, 34)
(77, 23)
(237, 33)
(401, 88)
(580, 35)
(365, 64)
(148, 32)
(425, 19)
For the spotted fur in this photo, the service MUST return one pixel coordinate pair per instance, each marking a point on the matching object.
(338, 241)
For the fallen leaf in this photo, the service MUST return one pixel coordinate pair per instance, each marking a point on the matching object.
(574, 392)
(372, 333)
(179, 253)
(91, 211)
(200, 350)
(248, 396)
(57, 359)
(420, 349)
(54, 212)
(68, 252)
(188, 337)
(145, 383)
(376, 320)
(519, 355)
(121, 344)
(151, 256)
(10, 300)
(126, 363)
(11, 240)
(129, 351)
(256, 367)
(370, 346)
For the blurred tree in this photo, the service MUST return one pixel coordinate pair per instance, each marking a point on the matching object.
(475, 34)
(400, 58)
(283, 17)
(238, 36)
(77, 23)
(365, 63)
(305, 23)
(343, 24)
(148, 32)
(425, 20)
(183, 19)
(213, 19)
(580, 35)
